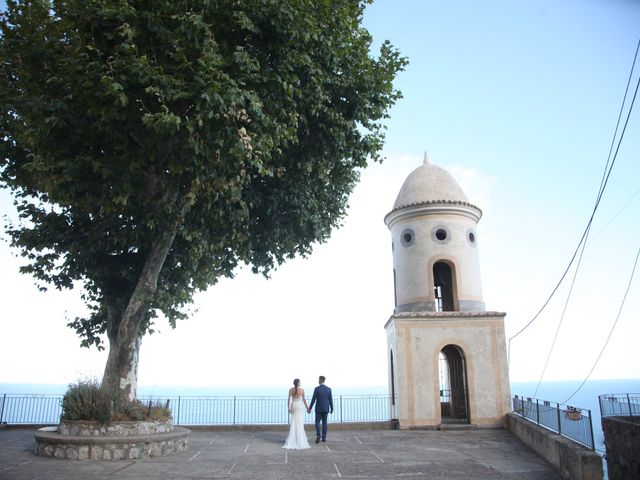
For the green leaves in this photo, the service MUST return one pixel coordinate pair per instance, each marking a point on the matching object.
(162, 123)
(240, 124)
(115, 90)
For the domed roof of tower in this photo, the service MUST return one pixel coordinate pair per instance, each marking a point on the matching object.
(429, 184)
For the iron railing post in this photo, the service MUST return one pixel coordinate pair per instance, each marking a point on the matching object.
(629, 405)
(234, 409)
(559, 422)
(593, 441)
(178, 414)
(600, 401)
(537, 411)
(340, 408)
(4, 400)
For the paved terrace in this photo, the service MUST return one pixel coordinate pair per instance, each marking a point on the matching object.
(257, 454)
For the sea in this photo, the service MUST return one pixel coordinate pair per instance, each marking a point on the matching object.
(567, 392)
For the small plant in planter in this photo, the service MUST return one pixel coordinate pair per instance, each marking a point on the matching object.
(137, 410)
(518, 406)
(85, 400)
(573, 413)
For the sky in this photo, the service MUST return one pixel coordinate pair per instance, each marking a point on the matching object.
(519, 102)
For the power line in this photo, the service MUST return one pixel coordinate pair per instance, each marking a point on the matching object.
(564, 310)
(567, 302)
(624, 298)
(624, 100)
(638, 254)
(616, 215)
(603, 183)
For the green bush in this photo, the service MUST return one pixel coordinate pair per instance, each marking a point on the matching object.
(85, 400)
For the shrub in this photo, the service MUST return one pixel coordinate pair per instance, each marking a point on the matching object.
(85, 400)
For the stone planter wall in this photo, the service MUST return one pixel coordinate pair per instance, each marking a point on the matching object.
(116, 441)
(120, 429)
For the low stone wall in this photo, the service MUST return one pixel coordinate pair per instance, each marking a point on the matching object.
(121, 429)
(622, 441)
(573, 461)
(118, 441)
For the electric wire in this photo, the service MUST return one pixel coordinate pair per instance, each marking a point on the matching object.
(624, 100)
(616, 215)
(564, 310)
(624, 298)
(602, 187)
(569, 295)
(603, 184)
(600, 193)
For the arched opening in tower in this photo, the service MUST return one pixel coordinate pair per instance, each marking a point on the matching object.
(443, 287)
(454, 405)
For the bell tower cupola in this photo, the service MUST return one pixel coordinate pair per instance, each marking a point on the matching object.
(434, 239)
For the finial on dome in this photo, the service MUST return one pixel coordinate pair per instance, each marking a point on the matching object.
(426, 158)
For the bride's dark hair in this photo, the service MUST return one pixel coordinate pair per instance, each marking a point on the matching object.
(296, 382)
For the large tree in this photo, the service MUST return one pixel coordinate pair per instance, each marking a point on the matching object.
(154, 145)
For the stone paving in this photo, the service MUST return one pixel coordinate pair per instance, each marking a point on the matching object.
(356, 454)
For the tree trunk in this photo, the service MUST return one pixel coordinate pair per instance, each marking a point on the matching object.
(121, 370)
(123, 329)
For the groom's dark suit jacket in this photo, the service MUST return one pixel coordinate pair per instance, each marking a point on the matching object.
(322, 395)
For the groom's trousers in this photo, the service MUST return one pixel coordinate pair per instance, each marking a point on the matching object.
(321, 417)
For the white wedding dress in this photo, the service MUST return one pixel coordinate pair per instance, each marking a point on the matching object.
(297, 437)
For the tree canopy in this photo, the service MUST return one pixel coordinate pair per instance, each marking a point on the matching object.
(154, 146)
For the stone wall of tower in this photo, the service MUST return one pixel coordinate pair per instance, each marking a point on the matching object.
(418, 339)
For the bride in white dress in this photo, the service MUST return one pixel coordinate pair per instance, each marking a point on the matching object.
(297, 406)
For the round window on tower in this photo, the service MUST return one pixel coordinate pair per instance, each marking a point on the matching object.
(440, 234)
(471, 237)
(407, 237)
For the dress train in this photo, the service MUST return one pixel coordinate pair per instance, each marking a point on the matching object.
(297, 438)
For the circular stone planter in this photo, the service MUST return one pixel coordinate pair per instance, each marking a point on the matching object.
(81, 440)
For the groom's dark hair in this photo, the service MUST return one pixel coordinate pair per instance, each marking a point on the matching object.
(321, 378)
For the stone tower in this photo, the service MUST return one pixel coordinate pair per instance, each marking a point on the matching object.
(447, 355)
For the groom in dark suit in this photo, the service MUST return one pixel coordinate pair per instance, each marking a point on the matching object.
(323, 401)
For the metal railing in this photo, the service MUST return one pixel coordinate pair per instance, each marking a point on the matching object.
(625, 405)
(453, 406)
(30, 408)
(237, 410)
(573, 423)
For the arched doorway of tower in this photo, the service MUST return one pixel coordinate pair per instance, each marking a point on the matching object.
(443, 287)
(454, 404)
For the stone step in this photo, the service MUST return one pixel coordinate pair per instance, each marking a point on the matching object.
(456, 426)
